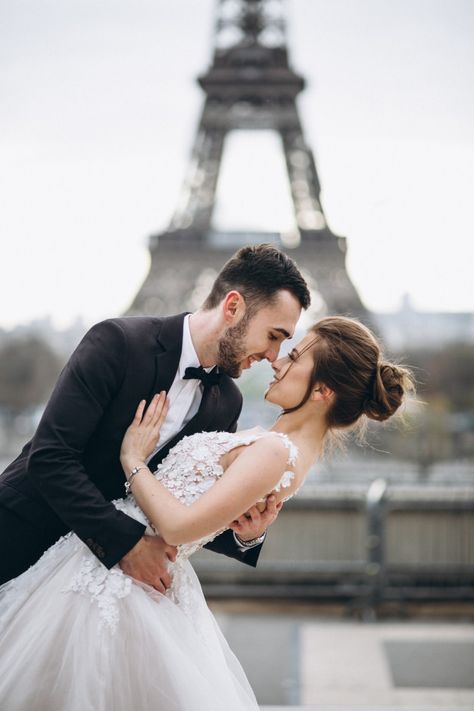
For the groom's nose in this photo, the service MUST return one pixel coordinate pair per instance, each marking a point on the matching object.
(271, 356)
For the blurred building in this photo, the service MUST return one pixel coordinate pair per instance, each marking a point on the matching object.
(409, 328)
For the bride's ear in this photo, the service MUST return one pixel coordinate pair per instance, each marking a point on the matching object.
(321, 392)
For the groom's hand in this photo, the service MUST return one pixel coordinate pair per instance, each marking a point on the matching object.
(148, 561)
(253, 523)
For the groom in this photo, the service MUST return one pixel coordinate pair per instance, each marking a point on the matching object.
(67, 475)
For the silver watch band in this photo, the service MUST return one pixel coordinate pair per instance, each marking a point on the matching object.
(249, 544)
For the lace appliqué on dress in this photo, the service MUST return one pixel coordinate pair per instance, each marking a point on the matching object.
(287, 476)
(104, 587)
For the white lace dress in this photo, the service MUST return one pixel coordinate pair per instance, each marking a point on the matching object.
(75, 636)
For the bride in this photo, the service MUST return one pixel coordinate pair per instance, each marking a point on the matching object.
(75, 636)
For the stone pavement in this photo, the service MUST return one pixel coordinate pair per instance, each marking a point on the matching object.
(336, 665)
(401, 665)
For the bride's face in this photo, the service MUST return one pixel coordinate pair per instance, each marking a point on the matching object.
(292, 374)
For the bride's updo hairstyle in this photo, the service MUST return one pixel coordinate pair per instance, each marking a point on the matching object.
(349, 361)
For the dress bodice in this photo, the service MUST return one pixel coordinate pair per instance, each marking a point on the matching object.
(193, 465)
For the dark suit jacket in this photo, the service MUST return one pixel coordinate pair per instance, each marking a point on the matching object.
(67, 475)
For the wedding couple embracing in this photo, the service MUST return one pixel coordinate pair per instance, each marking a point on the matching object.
(137, 463)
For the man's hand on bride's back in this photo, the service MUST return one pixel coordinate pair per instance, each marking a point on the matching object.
(143, 434)
(148, 561)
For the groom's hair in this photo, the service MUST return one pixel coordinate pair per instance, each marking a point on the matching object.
(258, 273)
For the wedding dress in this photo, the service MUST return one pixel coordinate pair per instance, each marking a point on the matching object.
(75, 636)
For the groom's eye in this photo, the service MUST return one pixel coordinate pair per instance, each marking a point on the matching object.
(272, 337)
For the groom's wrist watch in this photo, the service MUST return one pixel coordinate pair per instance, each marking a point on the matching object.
(251, 543)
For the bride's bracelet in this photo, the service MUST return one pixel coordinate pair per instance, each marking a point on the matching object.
(133, 474)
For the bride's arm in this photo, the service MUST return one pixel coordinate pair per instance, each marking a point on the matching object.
(251, 476)
(254, 473)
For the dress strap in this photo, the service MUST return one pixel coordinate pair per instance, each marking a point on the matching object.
(249, 437)
(291, 447)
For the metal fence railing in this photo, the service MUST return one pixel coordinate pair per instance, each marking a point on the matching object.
(365, 546)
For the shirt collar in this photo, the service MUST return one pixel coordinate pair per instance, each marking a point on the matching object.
(189, 357)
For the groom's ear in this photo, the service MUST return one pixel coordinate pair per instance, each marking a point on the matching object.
(233, 307)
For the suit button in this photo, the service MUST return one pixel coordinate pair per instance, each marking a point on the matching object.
(96, 548)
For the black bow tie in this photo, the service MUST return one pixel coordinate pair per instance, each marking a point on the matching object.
(208, 379)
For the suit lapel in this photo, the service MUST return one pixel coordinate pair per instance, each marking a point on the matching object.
(204, 417)
(170, 343)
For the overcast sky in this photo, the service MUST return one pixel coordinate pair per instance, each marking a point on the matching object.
(98, 111)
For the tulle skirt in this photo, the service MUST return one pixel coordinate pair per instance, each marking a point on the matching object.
(77, 637)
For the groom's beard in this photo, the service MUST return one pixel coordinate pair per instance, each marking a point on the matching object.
(230, 351)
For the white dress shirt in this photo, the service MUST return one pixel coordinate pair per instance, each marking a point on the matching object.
(184, 395)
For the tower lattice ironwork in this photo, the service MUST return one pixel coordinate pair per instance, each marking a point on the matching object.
(250, 85)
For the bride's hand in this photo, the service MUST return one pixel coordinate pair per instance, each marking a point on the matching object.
(143, 434)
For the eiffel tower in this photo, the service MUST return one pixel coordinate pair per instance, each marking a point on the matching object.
(250, 85)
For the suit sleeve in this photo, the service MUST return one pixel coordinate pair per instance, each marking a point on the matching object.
(85, 387)
(225, 543)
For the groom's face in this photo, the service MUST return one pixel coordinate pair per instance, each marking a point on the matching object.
(259, 336)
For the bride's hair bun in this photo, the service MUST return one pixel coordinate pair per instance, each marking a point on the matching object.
(389, 386)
